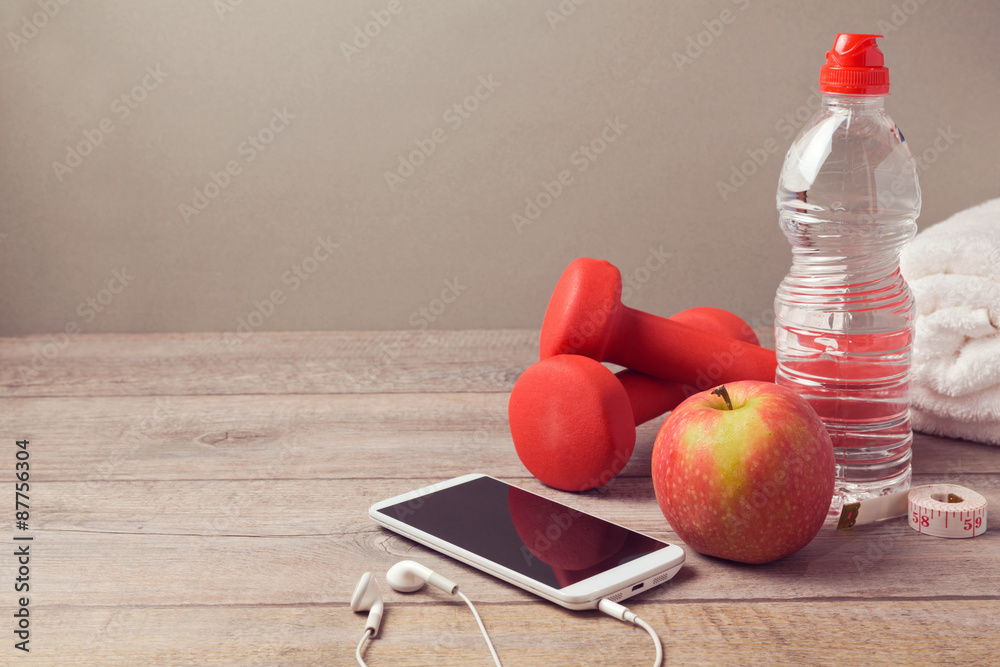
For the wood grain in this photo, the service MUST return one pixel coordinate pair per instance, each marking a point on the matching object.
(225, 539)
(280, 436)
(433, 630)
(265, 363)
(196, 502)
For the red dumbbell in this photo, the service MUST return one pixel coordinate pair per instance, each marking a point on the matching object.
(586, 316)
(573, 421)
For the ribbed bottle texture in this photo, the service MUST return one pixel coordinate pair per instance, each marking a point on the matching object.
(848, 198)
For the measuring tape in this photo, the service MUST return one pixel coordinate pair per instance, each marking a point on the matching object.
(941, 510)
(946, 510)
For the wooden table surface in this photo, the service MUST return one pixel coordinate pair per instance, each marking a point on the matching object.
(198, 501)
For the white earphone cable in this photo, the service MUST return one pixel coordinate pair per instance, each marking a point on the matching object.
(622, 613)
(656, 640)
(482, 627)
(368, 633)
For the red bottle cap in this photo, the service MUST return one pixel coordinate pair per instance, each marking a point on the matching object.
(854, 66)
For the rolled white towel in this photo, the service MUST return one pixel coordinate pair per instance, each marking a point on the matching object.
(953, 269)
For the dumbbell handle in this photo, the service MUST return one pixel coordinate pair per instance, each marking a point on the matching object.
(673, 351)
(651, 397)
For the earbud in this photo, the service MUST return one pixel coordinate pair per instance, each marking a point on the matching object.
(367, 597)
(407, 576)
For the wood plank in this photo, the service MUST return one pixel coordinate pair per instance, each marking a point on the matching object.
(932, 453)
(309, 436)
(262, 437)
(266, 363)
(299, 508)
(229, 540)
(433, 630)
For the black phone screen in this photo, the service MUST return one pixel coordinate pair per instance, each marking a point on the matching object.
(539, 538)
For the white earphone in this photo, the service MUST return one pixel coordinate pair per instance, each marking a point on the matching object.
(406, 576)
(367, 597)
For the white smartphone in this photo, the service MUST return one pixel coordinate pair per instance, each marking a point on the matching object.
(552, 550)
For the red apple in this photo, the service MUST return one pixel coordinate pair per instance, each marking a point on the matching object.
(744, 472)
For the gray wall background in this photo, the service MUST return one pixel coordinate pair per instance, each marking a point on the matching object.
(438, 247)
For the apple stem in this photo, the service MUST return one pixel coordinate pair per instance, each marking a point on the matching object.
(721, 391)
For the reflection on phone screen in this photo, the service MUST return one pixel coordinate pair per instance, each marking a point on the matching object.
(549, 542)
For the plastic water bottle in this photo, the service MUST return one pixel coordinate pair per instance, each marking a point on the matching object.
(848, 199)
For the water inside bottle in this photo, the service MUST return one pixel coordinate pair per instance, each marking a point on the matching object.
(846, 350)
(847, 199)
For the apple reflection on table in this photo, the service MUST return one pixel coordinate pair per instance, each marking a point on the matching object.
(575, 545)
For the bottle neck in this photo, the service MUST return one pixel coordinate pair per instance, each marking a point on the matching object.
(854, 103)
